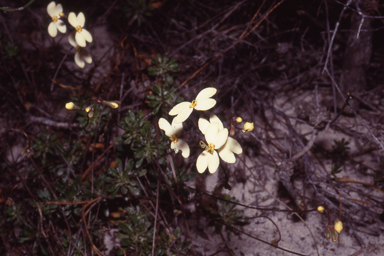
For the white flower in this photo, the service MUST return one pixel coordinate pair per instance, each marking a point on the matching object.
(82, 34)
(231, 146)
(55, 11)
(216, 139)
(173, 132)
(81, 55)
(202, 102)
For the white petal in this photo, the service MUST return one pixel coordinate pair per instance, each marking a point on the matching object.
(87, 36)
(72, 19)
(211, 133)
(233, 146)
(206, 93)
(58, 9)
(205, 104)
(61, 26)
(221, 138)
(86, 56)
(203, 125)
(165, 126)
(51, 9)
(80, 39)
(227, 155)
(78, 60)
(215, 119)
(52, 30)
(183, 115)
(80, 19)
(214, 162)
(183, 146)
(202, 161)
(177, 128)
(179, 107)
(174, 147)
(71, 40)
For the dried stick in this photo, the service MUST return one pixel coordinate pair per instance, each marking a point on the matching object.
(49, 122)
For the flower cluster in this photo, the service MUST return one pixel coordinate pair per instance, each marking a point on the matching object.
(78, 38)
(219, 144)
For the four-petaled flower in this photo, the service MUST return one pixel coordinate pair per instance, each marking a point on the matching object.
(231, 146)
(82, 34)
(81, 55)
(202, 102)
(216, 139)
(56, 11)
(173, 131)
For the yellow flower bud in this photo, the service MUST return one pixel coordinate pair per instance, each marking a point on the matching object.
(113, 104)
(69, 105)
(239, 120)
(87, 109)
(338, 226)
(320, 209)
(248, 127)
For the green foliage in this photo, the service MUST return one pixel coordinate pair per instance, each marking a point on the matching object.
(340, 149)
(339, 154)
(136, 232)
(92, 124)
(10, 51)
(72, 152)
(141, 135)
(226, 215)
(336, 168)
(163, 98)
(138, 10)
(123, 178)
(163, 67)
(44, 146)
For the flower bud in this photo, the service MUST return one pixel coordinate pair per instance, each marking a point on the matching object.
(239, 120)
(320, 209)
(87, 109)
(69, 105)
(338, 226)
(248, 127)
(333, 235)
(112, 104)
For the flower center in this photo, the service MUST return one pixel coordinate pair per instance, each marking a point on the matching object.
(193, 104)
(210, 148)
(54, 19)
(78, 28)
(174, 138)
(78, 48)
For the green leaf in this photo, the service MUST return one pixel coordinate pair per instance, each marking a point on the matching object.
(153, 103)
(134, 191)
(156, 109)
(139, 163)
(156, 89)
(125, 228)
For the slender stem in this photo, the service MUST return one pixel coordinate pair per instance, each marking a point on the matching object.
(9, 9)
